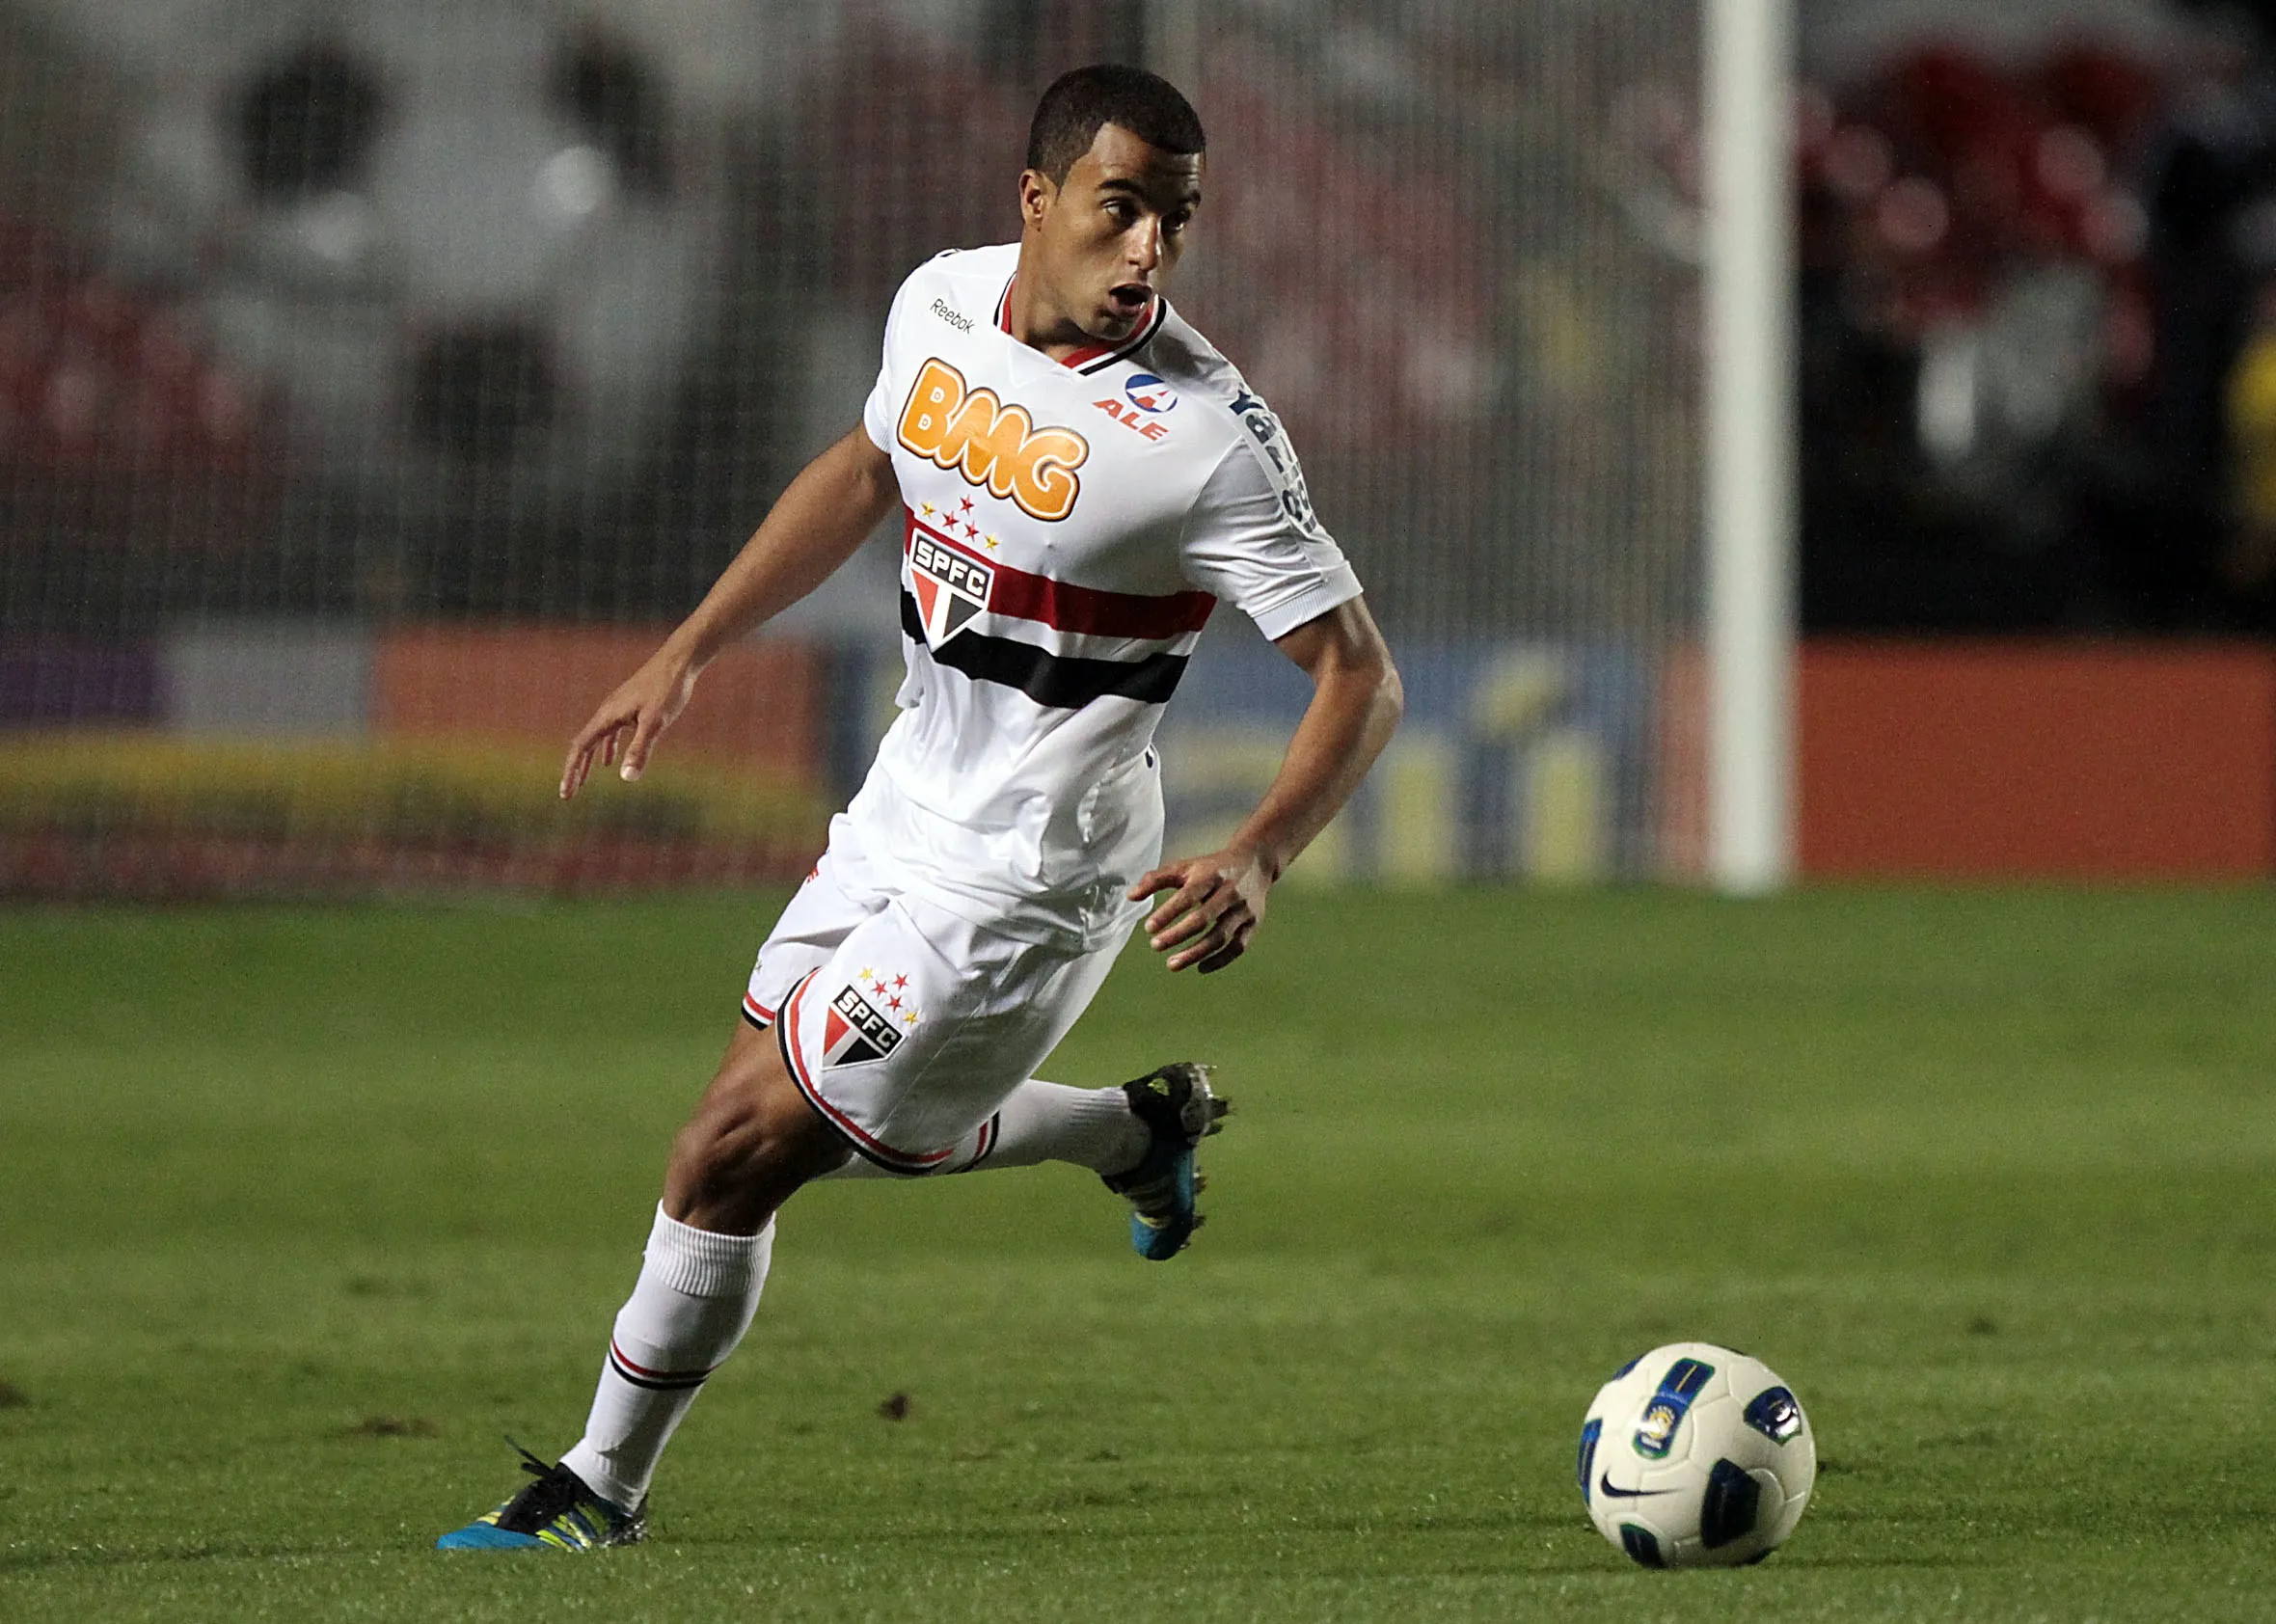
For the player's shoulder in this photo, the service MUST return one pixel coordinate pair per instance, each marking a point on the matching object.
(1188, 363)
(1198, 372)
(964, 282)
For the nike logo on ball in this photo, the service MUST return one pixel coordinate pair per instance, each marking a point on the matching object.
(1604, 1487)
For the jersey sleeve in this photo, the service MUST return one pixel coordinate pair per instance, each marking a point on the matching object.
(1252, 539)
(877, 411)
(885, 395)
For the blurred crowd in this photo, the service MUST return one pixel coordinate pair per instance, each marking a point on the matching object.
(385, 308)
(2039, 337)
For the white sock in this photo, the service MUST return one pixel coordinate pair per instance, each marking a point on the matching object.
(1041, 1122)
(695, 1297)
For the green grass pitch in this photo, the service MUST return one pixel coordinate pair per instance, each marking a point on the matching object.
(301, 1209)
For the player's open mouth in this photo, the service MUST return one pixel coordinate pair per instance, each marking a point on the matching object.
(1130, 301)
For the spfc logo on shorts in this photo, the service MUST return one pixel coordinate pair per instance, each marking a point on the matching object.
(866, 1021)
(949, 587)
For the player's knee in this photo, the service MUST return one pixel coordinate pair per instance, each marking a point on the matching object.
(740, 1140)
(746, 1149)
(714, 1147)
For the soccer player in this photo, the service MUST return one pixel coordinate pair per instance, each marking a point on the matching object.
(1081, 477)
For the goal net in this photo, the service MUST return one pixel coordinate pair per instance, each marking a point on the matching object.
(379, 379)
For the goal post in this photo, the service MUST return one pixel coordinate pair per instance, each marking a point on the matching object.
(1750, 465)
(349, 457)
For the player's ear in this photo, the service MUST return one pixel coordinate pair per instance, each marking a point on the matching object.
(1036, 192)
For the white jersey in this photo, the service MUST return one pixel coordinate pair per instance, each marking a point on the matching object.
(1068, 527)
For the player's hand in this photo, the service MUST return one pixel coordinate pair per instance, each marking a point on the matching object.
(630, 721)
(1214, 906)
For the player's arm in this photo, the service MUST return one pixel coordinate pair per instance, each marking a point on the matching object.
(1217, 901)
(813, 528)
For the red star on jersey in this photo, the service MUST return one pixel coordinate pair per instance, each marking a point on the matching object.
(900, 984)
(964, 506)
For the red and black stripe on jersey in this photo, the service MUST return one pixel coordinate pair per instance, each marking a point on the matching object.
(1062, 681)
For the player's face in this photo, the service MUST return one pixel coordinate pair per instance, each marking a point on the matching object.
(1109, 235)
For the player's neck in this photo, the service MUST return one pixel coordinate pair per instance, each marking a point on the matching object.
(1031, 317)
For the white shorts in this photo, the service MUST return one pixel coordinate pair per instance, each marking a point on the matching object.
(903, 1025)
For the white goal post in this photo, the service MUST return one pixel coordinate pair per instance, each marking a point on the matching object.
(1750, 473)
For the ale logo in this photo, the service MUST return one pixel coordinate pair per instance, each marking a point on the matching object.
(1149, 394)
(991, 444)
(950, 588)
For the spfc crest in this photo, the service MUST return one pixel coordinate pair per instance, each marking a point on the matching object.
(950, 588)
(866, 1021)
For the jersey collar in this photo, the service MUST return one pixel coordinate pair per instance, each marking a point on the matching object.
(1092, 358)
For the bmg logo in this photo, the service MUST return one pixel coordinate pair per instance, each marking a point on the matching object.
(993, 445)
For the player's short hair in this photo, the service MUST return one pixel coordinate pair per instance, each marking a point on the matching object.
(1067, 118)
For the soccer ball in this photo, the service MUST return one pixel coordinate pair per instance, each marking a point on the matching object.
(1696, 1456)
